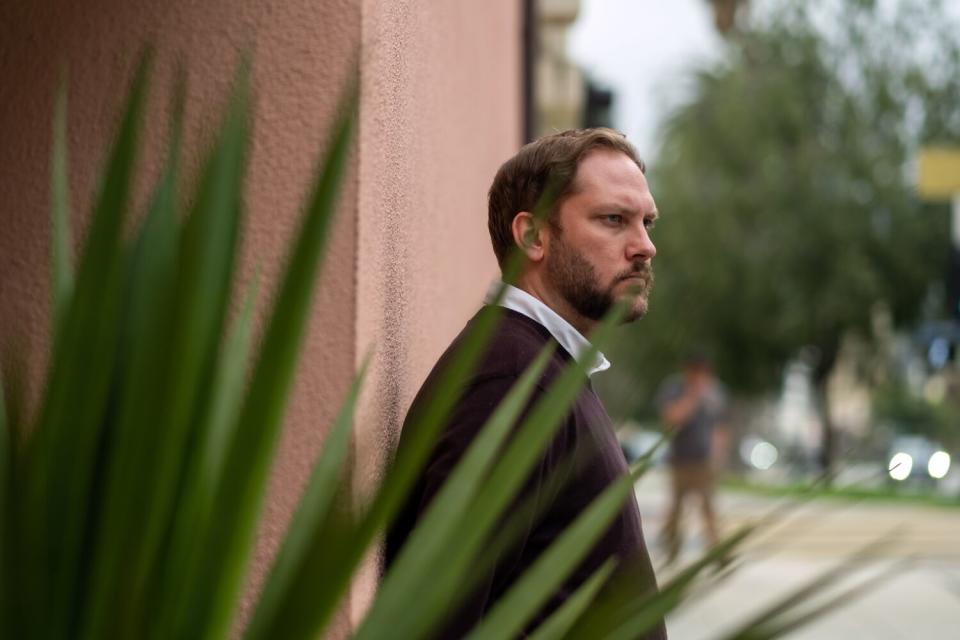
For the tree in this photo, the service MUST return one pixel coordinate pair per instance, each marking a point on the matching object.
(789, 215)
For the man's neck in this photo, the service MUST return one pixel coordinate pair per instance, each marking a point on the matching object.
(524, 303)
(536, 287)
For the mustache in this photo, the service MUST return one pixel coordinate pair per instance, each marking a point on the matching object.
(640, 270)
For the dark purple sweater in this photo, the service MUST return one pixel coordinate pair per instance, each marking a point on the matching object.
(583, 459)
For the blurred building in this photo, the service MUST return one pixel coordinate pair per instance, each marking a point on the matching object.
(558, 83)
(562, 96)
(726, 14)
(598, 110)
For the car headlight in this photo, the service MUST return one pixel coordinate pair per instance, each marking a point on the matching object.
(901, 464)
(939, 465)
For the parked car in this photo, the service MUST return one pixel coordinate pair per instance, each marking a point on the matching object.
(918, 460)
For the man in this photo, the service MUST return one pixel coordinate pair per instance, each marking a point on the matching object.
(591, 250)
(693, 405)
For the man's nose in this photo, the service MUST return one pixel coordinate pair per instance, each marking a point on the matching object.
(641, 246)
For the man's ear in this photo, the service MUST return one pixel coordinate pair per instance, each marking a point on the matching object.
(529, 235)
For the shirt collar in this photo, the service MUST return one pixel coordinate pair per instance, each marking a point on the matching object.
(563, 332)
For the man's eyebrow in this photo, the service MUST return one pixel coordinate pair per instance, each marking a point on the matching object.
(619, 208)
(625, 210)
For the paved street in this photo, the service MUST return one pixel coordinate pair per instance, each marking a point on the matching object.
(919, 599)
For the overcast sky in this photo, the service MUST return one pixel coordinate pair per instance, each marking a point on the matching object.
(643, 50)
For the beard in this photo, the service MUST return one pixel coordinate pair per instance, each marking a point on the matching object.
(575, 279)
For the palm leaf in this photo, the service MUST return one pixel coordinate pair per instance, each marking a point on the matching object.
(426, 544)
(62, 453)
(535, 586)
(457, 553)
(770, 616)
(201, 480)
(5, 491)
(780, 627)
(60, 207)
(621, 615)
(644, 462)
(143, 359)
(559, 623)
(250, 454)
(279, 612)
(345, 551)
(624, 618)
(205, 272)
(12, 593)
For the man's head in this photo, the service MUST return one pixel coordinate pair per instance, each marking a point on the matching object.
(590, 245)
(696, 365)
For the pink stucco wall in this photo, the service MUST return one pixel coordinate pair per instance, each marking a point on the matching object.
(409, 258)
(440, 112)
(302, 48)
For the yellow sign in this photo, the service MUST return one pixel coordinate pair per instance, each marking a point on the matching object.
(938, 172)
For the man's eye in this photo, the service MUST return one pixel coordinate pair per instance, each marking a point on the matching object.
(613, 219)
(649, 223)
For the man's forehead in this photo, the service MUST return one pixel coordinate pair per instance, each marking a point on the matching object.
(605, 167)
(612, 178)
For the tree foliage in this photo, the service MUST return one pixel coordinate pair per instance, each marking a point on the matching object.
(785, 185)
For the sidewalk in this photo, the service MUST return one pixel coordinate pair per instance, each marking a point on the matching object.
(920, 600)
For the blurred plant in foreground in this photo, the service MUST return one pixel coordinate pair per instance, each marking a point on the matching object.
(129, 508)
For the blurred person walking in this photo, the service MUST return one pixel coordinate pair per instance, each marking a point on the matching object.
(693, 404)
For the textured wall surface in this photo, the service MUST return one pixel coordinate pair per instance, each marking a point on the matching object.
(302, 50)
(441, 112)
(410, 257)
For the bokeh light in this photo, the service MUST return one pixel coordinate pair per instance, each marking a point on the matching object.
(763, 455)
(939, 464)
(901, 464)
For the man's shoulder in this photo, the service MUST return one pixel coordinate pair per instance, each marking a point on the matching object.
(514, 343)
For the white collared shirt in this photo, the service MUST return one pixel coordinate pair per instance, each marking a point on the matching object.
(562, 331)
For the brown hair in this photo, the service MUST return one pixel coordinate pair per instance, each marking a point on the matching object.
(552, 162)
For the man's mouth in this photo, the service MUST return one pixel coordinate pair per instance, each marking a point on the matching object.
(639, 281)
(639, 277)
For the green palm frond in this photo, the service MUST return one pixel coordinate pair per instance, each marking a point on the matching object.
(130, 508)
